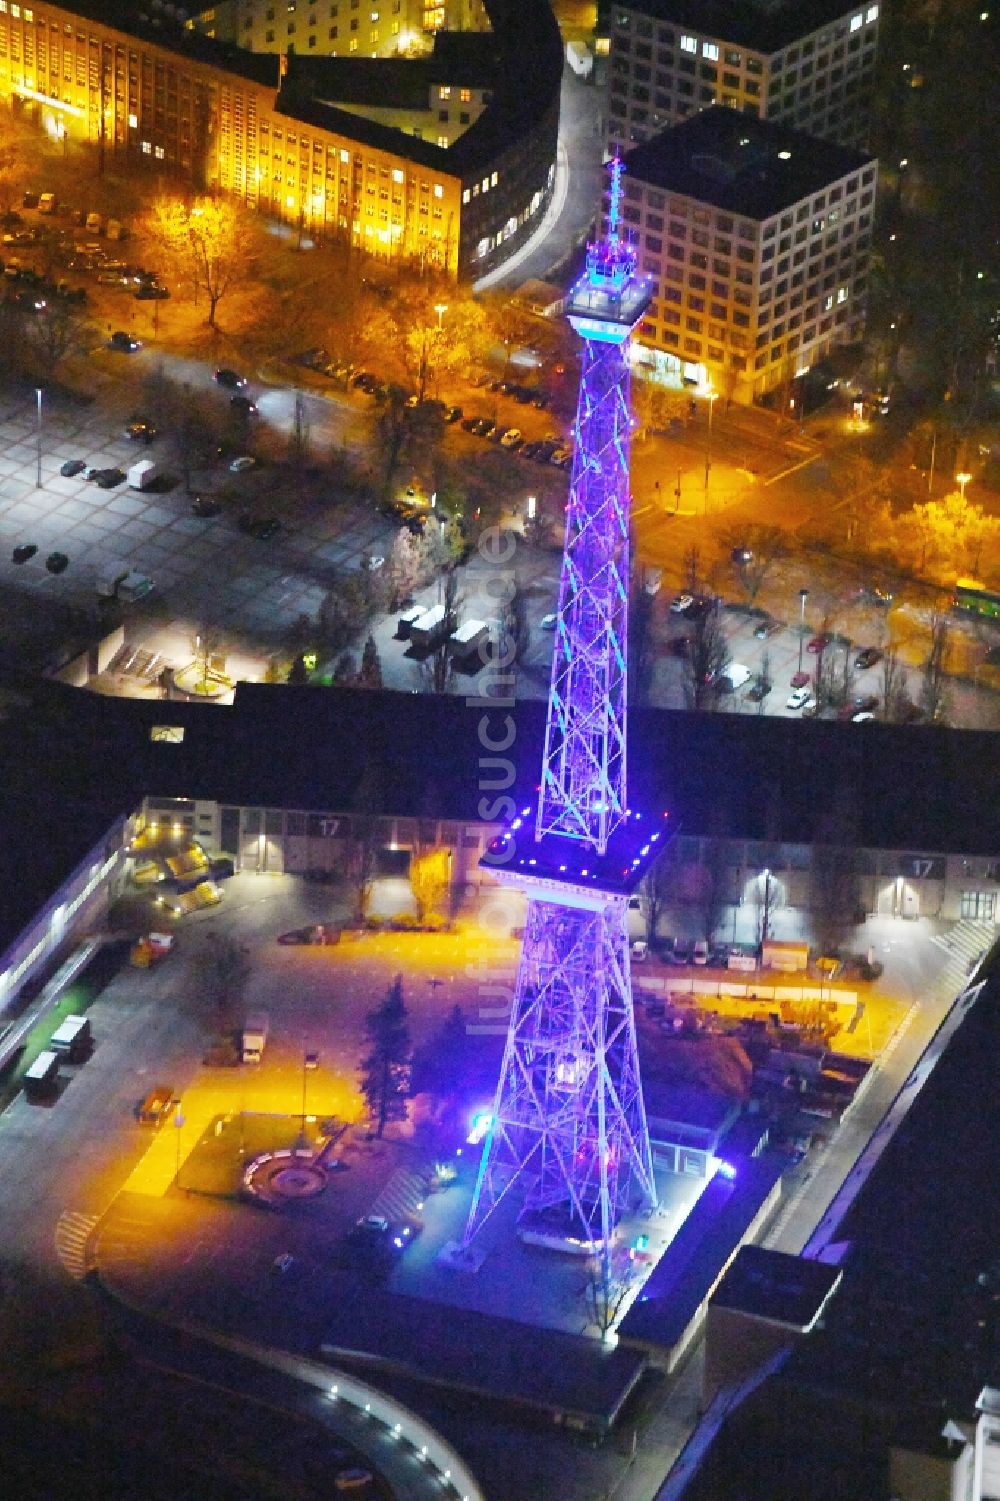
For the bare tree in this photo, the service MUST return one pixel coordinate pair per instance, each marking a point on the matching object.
(513, 627)
(706, 660)
(437, 671)
(713, 883)
(56, 332)
(895, 696)
(366, 835)
(611, 1275)
(298, 438)
(754, 550)
(657, 890)
(933, 684)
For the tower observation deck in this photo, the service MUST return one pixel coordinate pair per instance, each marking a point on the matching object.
(569, 1124)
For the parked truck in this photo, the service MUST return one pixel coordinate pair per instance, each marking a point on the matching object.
(430, 627)
(469, 640)
(580, 59)
(254, 1037)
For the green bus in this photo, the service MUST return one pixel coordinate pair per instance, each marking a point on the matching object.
(973, 599)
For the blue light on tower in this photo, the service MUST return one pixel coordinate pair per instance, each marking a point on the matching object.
(568, 1122)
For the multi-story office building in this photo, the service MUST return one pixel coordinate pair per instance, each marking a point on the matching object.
(756, 238)
(449, 165)
(809, 65)
(340, 28)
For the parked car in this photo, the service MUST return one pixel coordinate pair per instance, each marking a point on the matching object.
(699, 954)
(23, 552)
(798, 698)
(681, 604)
(124, 342)
(151, 292)
(260, 527)
(819, 642)
(868, 656)
(548, 622)
(242, 463)
(109, 479)
(244, 405)
(512, 438)
(453, 414)
(736, 675)
(229, 379)
(72, 468)
(205, 506)
(57, 562)
(864, 703)
(758, 690)
(768, 627)
(140, 430)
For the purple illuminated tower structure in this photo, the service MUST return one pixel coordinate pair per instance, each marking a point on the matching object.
(569, 1124)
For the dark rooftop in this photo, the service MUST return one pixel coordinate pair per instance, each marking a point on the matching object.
(782, 1289)
(735, 162)
(498, 1360)
(152, 23)
(757, 778)
(687, 1271)
(521, 56)
(472, 59)
(688, 1106)
(763, 27)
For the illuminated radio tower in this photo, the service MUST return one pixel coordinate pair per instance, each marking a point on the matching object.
(569, 1124)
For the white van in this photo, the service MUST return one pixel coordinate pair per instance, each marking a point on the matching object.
(142, 474)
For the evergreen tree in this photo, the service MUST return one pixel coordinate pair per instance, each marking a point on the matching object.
(370, 675)
(385, 1069)
(344, 672)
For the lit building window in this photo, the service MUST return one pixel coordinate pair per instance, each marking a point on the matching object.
(345, 156)
(689, 44)
(444, 92)
(465, 95)
(856, 22)
(159, 153)
(871, 14)
(133, 121)
(709, 49)
(438, 190)
(493, 180)
(397, 174)
(466, 196)
(443, 141)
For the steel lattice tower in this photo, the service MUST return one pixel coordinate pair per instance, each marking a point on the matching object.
(569, 1122)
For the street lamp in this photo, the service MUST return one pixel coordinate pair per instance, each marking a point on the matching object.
(961, 479)
(178, 1127)
(803, 596)
(710, 394)
(38, 437)
(440, 308)
(310, 1062)
(532, 506)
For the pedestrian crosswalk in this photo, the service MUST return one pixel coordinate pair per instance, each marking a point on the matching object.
(72, 1234)
(402, 1197)
(965, 944)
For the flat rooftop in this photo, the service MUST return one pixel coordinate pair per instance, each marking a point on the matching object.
(760, 26)
(497, 1359)
(779, 1288)
(751, 167)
